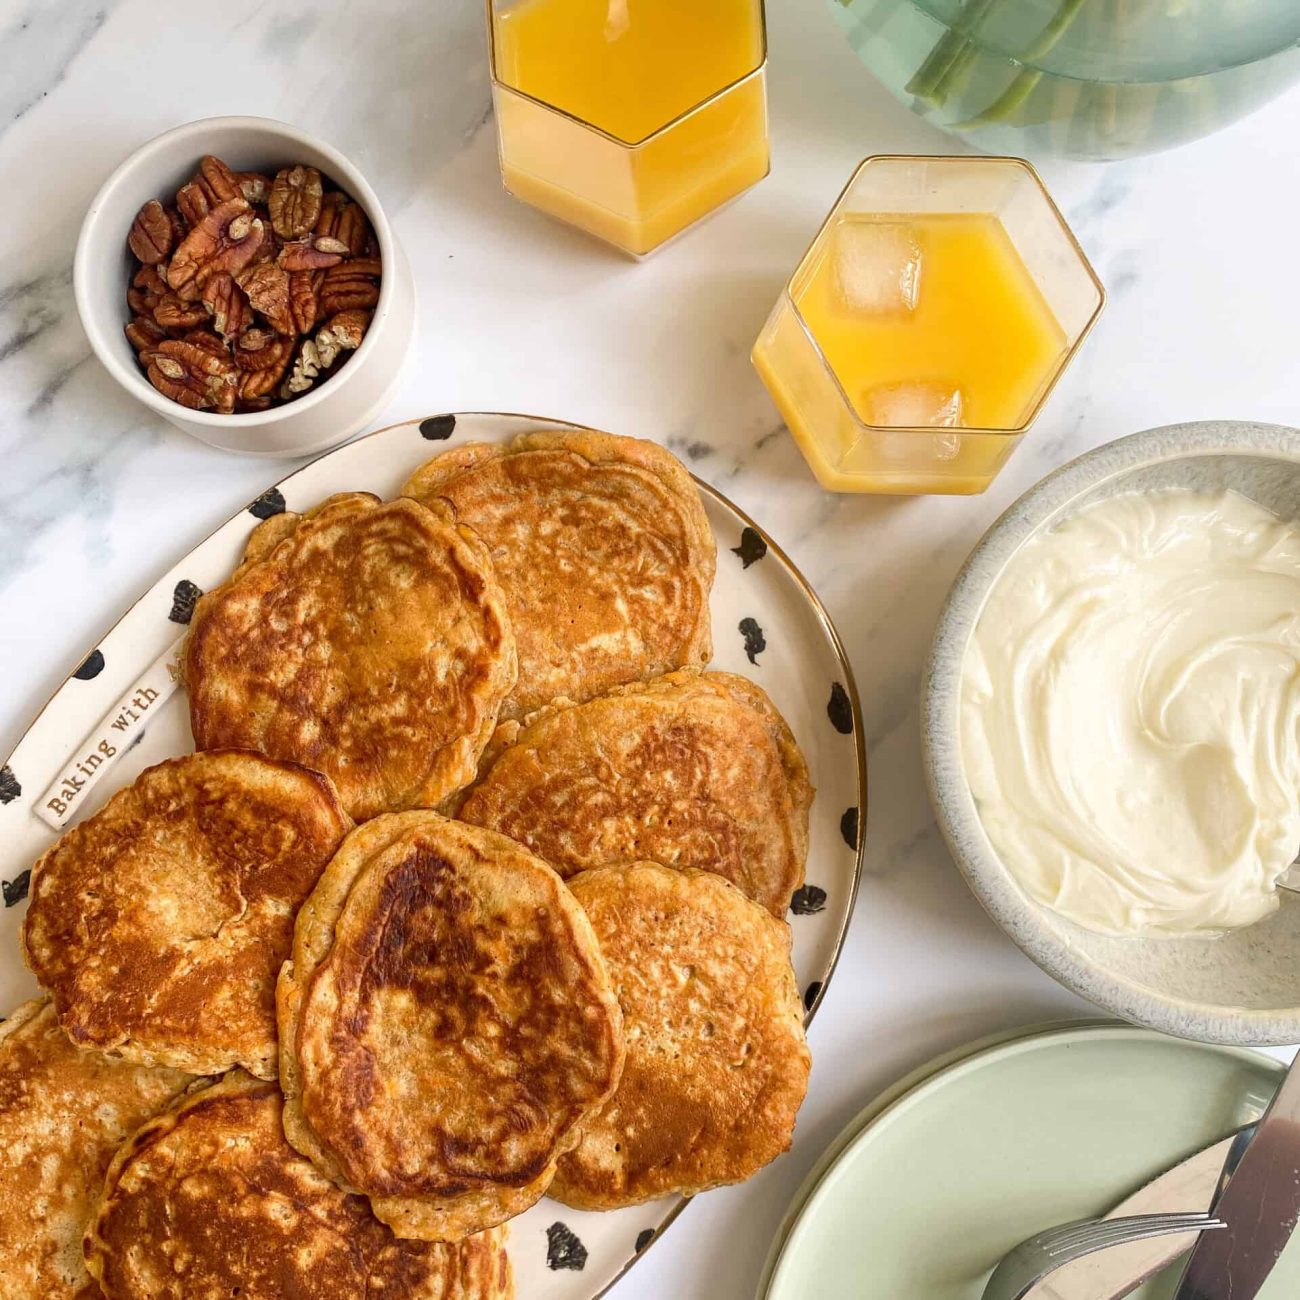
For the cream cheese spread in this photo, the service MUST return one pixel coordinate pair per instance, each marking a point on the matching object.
(1130, 721)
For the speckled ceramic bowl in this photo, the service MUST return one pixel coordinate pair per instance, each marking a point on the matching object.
(1243, 988)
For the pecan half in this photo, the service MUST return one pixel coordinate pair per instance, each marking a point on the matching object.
(331, 205)
(255, 187)
(255, 338)
(353, 229)
(306, 367)
(228, 304)
(260, 350)
(350, 285)
(179, 228)
(303, 286)
(151, 236)
(295, 201)
(343, 223)
(262, 383)
(342, 333)
(225, 240)
(173, 314)
(144, 333)
(192, 203)
(219, 179)
(267, 287)
(192, 376)
(303, 255)
(147, 290)
(209, 342)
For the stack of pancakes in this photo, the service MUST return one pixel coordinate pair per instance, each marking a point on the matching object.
(474, 889)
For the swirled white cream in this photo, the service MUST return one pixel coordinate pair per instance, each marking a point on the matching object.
(1130, 717)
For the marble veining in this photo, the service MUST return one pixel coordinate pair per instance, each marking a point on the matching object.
(97, 496)
(38, 51)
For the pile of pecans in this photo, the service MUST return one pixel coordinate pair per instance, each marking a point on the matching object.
(250, 289)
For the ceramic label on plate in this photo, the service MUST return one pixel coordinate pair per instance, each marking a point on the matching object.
(116, 732)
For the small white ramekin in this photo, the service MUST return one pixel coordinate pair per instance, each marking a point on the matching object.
(343, 405)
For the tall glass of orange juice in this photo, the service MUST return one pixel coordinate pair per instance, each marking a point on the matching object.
(926, 325)
(629, 118)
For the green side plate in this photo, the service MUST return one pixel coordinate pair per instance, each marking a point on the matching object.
(938, 1178)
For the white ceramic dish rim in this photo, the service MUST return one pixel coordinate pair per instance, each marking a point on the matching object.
(342, 172)
(950, 796)
(915, 1087)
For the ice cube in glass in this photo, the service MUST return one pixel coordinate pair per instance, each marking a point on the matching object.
(914, 406)
(877, 266)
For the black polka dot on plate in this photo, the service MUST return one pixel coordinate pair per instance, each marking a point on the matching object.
(438, 428)
(849, 827)
(755, 643)
(839, 710)
(644, 1238)
(92, 666)
(808, 900)
(752, 547)
(9, 787)
(271, 502)
(563, 1249)
(810, 995)
(183, 598)
(15, 890)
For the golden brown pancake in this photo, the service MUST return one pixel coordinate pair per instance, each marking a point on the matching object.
(160, 923)
(717, 1066)
(368, 641)
(209, 1201)
(689, 770)
(445, 1023)
(63, 1113)
(602, 548)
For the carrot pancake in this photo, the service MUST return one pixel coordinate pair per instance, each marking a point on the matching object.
(209, 1201)
(445, 1024)
(688, 770)
(161, 923)
(717, 1065)
(603, 551)
(366, 640)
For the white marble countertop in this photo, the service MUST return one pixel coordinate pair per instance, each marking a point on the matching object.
(97, 496)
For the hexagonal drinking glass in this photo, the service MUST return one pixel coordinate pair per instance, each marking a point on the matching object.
(630, 120)
(844, 450)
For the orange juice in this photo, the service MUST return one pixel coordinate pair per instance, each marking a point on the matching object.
(674, 90)
(930, 324)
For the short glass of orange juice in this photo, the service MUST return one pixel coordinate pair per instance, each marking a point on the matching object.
(926, 325)
(631, 119)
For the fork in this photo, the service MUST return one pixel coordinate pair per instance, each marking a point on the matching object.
(1031, 1261)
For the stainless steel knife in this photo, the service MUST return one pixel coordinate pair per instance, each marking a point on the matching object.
(1259, 1200)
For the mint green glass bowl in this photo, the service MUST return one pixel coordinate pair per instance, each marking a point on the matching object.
(1088, 79)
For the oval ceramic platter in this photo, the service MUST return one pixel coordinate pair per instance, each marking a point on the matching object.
(121, 712)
